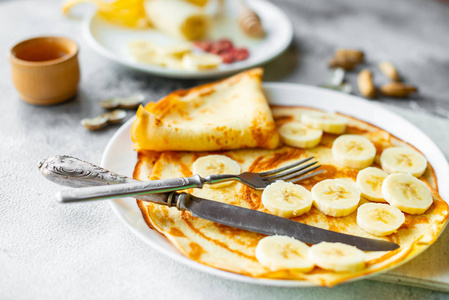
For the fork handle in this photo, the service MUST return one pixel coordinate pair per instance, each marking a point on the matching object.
(211, 179)
(131, 189)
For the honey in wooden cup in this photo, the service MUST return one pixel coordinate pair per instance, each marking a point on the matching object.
(45, 70)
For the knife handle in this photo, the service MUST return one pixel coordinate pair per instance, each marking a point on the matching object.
(132, 189)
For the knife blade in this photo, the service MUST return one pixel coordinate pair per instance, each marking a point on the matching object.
(256, 221)
(70, 171)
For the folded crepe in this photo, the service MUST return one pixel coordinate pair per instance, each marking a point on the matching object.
(229, 114)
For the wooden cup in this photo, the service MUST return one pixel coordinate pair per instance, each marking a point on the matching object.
(45, 70)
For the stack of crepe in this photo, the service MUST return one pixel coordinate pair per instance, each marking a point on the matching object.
(231, 117)
(229, 114)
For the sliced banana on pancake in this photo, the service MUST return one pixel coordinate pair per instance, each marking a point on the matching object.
(354, 151)
(379, 219)
(407, 193)
(296, 134)
(216, 165)
(336, 197)
(337, 257)
(283, 253)
(286, 199)
(403, 160)
(369, 181)
(327, 122)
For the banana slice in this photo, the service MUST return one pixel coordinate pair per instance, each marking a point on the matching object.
(403, 160)
(370, 181)
(337, 257)
(354, 151)
(296, 134)
(139, 48)
(327, 122)
(407, 193)
(283, 253)
(203, 61)
(165, 56)
(158, 59)
(336, 197)
(176, 50)
(171, 62)
(379, 219)
(286, 199)
(215, 165)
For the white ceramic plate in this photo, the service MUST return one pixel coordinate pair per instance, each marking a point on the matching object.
(120, 157)
(112, 41)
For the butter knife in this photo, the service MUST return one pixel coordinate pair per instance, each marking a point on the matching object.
(70, 171)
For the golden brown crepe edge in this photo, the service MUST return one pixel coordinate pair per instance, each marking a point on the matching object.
(152, 114)
(411, 252)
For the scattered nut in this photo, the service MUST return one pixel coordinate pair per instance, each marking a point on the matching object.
(356, 56)
(335, 77)
(335, 81)
(343, 87)
(95, 123)
(343, 63)
(366, 85)
(389, 70)
(347, 59)
(110, 103)
(115, 116)
(128, 102)
(132, 102)
(398, 89)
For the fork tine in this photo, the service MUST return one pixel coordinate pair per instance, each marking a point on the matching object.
(285, 168)
(305, 176)
(296, 174)
(290, 171)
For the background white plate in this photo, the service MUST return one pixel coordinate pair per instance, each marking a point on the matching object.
(112, 41)
(120, 157)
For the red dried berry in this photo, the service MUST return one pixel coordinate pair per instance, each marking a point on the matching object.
(233, 51)
(242, 54)
(226, 43)
(203, 45)
(219, 48)
(225, 40)
(225, 48)
(214, 49)
(227, 58)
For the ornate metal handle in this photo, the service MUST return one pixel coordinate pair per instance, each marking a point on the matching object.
(70, 171)
(129, 189)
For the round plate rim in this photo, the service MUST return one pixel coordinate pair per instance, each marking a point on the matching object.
(86, 29)
(271, 86)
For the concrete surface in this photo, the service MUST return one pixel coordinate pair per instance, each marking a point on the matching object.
(54, 251)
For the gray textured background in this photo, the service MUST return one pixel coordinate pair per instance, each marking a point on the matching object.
(53, 251)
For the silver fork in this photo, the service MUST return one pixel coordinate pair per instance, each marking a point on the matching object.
(292, 173)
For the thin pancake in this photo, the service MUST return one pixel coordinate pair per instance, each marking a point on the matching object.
(233, 249)
(228, 114)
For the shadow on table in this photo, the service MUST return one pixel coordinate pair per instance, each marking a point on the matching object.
(420, 103)
(282, 66)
